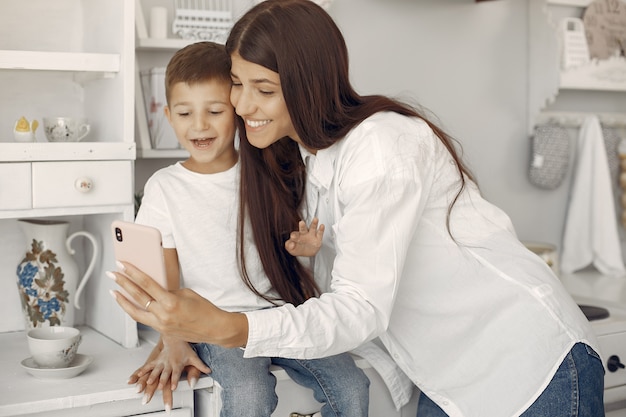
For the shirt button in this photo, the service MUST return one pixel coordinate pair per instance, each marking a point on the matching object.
(326, 200)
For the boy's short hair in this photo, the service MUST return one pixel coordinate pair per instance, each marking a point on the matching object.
(199, 61)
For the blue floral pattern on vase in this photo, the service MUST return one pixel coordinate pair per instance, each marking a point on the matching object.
(41, 286)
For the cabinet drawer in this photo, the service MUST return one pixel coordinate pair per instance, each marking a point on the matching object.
(81, 183)
(15, 186)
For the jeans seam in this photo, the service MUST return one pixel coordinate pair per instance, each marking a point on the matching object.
(574, 382)
(331, 400)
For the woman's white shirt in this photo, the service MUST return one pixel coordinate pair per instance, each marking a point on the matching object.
(479, 323)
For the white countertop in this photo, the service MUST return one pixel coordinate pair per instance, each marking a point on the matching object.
(104, 381)
(590, 284)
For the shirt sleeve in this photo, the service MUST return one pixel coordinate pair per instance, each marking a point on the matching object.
(380, 193)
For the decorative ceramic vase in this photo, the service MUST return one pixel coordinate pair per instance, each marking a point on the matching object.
(47, 277)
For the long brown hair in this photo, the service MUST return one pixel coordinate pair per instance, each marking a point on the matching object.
(298, 40)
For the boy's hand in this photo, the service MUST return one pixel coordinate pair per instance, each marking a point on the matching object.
(307, 241)
(163, 368)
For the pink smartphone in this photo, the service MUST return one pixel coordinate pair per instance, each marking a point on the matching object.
(142, 247)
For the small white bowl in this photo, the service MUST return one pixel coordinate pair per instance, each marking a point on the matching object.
(54, 346)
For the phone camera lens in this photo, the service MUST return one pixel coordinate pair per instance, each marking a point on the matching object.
(118, 234)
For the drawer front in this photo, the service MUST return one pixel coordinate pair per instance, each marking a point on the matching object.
(82, 183)
(15, 186)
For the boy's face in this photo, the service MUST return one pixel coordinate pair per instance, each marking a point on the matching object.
(204, 122)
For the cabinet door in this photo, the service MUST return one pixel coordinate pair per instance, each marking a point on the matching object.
(15, 186)
(82, 183)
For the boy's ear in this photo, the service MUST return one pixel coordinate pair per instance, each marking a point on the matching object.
(166, 111)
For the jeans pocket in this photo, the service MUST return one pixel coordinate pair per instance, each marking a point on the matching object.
(592, 352)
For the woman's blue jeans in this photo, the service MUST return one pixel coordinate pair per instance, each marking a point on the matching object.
(249, 388)
(576, 390)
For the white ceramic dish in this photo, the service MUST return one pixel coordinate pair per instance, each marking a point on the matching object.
(78, 365)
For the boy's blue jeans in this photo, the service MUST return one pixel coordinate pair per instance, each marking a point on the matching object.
(249, 388)
(576, 390)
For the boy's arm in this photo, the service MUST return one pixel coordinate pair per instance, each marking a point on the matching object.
(172, 269)
(306, 241)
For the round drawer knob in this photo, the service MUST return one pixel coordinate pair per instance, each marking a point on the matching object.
(83, 184)
(614, 363)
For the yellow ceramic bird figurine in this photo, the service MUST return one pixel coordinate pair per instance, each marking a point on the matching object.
(24, 131)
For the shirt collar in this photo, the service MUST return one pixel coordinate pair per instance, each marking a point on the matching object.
(320, 165)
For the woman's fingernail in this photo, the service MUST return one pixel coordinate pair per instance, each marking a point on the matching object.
(145, 399)
(110, 275)
(168, 409)
(120, 265)
(113, 294)
(193, 382)
(139, 388)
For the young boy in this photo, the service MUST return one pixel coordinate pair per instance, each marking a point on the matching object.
(194, 204)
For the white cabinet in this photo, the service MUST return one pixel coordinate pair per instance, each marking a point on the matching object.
(68, 58)
(15, 186)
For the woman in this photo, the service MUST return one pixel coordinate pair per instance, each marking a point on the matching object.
(412, 254)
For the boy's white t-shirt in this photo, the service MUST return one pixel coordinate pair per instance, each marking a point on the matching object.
(197, 215)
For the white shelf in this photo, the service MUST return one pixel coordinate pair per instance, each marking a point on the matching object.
(170, 44)
(576, 3)
(65, 211)
(81, 151)
(162, 153)
(59, 61)
(603, 75)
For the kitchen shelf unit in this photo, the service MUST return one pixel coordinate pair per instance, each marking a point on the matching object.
(76, 59)
(546, 76)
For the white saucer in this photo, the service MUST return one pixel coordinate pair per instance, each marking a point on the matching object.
(78, 365)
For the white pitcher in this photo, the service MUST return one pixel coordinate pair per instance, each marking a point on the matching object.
(47, 276)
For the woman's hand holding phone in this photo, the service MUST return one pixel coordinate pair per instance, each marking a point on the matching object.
(182, 313)
(141, 246)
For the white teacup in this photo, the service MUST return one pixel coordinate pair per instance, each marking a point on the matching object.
(65, 129)
(54, 346)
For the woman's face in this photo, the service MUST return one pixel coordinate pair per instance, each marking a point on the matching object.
(258, 98)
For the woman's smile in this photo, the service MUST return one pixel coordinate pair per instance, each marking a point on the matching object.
(256, 123)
